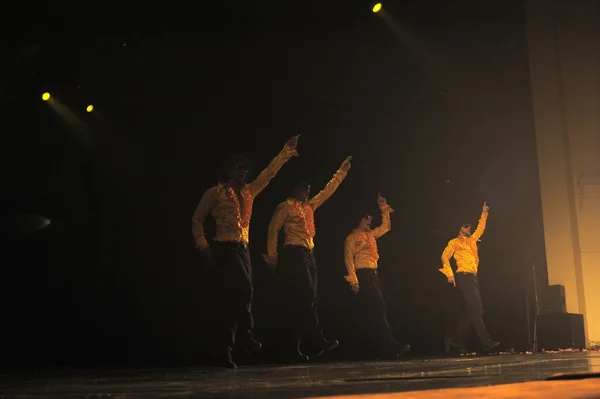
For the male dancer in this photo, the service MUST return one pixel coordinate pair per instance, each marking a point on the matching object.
(465, 252)
(296, 269)
(230, 203)
(361, 256)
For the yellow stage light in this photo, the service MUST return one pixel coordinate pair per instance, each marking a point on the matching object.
(46, 96)
(89, 108)
(377, 7)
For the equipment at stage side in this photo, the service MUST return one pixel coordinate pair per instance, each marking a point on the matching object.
(556, 329)
(555, 300)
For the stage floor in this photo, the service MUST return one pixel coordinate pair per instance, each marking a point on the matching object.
(298, 381)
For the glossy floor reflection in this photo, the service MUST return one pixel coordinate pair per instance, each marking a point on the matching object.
(298, 381)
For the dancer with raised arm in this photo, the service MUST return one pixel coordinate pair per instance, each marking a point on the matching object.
(296, 269)
(465, 252)
(361, 257)
(230, 203)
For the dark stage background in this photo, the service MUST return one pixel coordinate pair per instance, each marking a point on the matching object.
(436, 114)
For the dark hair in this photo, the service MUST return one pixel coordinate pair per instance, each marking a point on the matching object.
(364, 216)
(302, 184)
(229, 162)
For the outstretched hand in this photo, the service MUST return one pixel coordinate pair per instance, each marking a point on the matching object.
(346, 165)
(486, 208)
(292, 143)
(382, 202)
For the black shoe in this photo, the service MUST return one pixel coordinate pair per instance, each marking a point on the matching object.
(451, 344)
(330, 345)
(491, 344)
(448, 344)
(300, 358)
(402, 350)
(227, 361)
(388, 355)
(251, 345)
(293, 357)
(327, 346)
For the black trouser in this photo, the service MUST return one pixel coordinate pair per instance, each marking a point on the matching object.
(296, 287)
(232, 260)
(376, 337)
(469, 285)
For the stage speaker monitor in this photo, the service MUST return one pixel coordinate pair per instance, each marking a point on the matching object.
(555, 301)
(560, 331)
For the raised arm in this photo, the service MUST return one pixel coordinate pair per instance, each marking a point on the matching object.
(263, 179)
(207, 203)
(386, 223)
(333, 185)
(482, 222)
(277, 221)
(446, 255)
(349, 251)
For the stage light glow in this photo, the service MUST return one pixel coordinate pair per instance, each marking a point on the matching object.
(46, 96)
(377, 7)
(89, 108)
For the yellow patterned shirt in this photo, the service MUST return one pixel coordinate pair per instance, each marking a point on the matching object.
(297, 218)
(231, 212)
(464, 250)
(360, 247)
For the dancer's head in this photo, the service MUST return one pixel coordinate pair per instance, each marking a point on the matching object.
(235, 169)
(364, 223)
(301, 191)
(465, 230)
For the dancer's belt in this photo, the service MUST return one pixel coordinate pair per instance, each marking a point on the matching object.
(368, 270)
(309, 250)
(234, 244)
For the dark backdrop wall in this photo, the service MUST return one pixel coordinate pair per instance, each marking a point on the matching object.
(434, 107)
